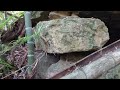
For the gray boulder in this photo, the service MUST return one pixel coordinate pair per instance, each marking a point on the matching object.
(71, 34)
(39, 14)
(50, 64)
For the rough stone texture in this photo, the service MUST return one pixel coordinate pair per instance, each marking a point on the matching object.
(37, 14)
(59, 14)
(66, 60)
(71, 34)
(44, 63)
(51, 64)
(57, 68)
(62, 14)
(112, 73)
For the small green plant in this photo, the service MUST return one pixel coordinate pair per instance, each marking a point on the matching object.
(7, 65)
(4, 22)
(10, 19)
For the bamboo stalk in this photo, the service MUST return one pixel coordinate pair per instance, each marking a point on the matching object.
(30, 42)
(5, 17)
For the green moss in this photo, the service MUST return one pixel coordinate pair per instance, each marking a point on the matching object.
(65, 40)
(91, 40)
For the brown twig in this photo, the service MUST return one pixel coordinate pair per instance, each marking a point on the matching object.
(14, 72)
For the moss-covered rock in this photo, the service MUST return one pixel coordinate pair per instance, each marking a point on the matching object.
(71, 34)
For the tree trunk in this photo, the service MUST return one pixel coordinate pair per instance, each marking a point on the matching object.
(94, 65)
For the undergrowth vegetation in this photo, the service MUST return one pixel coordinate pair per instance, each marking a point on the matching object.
(13, 55)
(12, 16)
